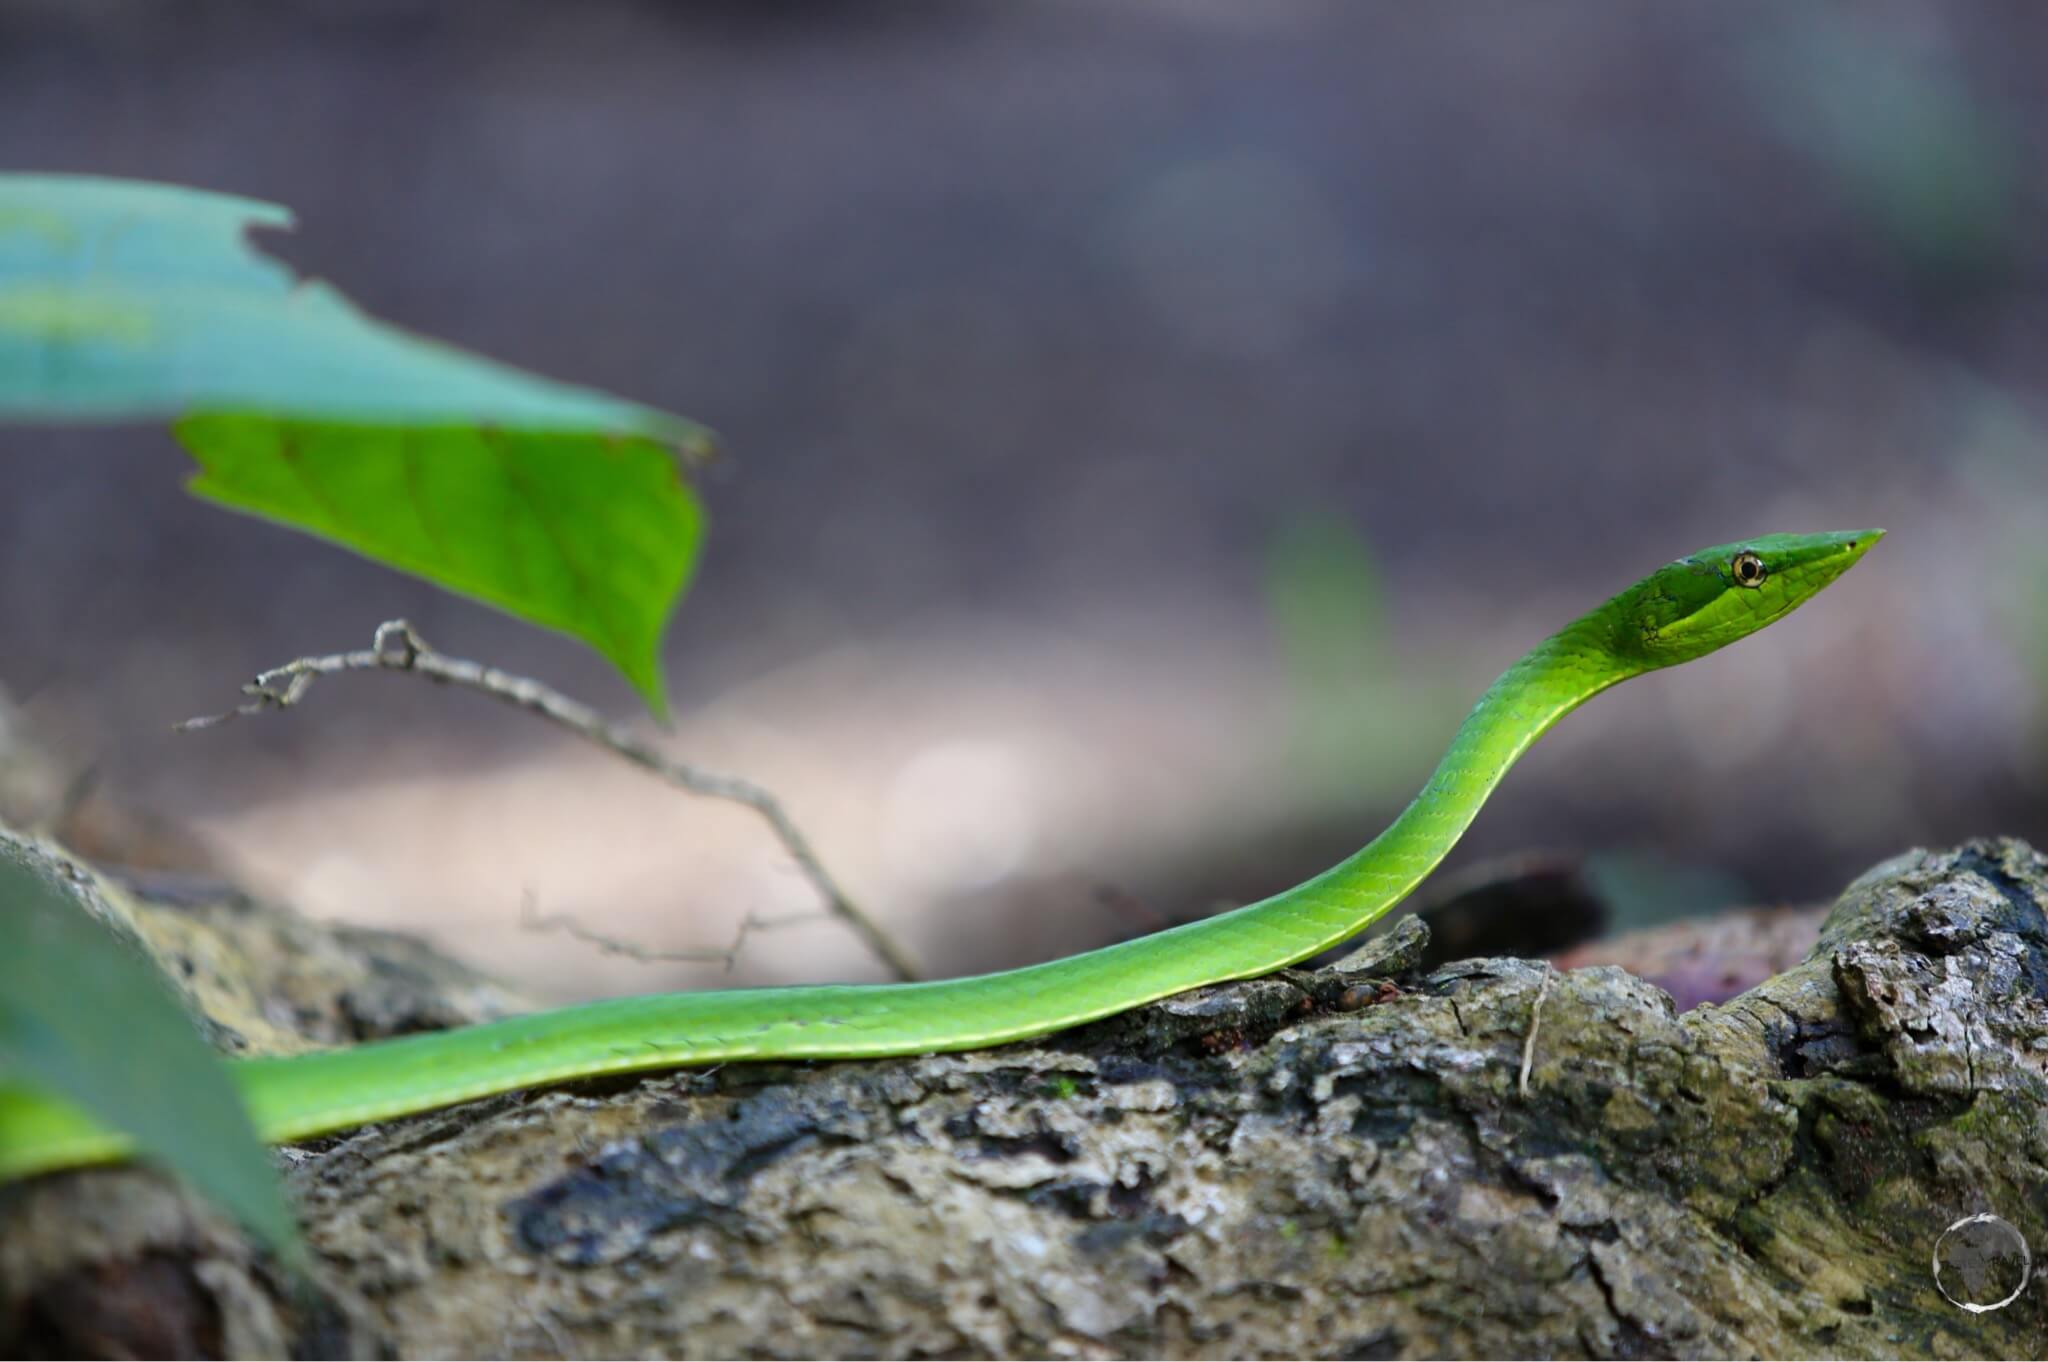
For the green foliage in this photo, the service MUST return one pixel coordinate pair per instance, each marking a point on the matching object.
(126, 301)
(2001, 458)
(590, 535)
(90, 1021)
(1324, 595)
(1896, 123)
(1644, 889)
(1358, 725)
(2026, 612)
(1324, 600)
(563, 506)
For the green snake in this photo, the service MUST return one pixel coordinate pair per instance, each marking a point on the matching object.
(1682, 611)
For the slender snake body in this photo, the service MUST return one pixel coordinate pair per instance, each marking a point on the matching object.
(1682, 611)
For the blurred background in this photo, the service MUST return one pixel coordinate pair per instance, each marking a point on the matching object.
(1151, 426)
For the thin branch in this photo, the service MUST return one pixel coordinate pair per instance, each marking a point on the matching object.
(397, 648)
(1131, 908)
(533, 920)
(1529, 1041)
(57, 820)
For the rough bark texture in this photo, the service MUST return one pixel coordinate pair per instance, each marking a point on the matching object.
(1309, 1165)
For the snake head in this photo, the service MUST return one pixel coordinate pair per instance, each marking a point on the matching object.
(1711, 598)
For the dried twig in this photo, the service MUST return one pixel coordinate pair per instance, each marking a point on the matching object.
(533, 920)
(56, 820)
(398, 648)
(1529, 1041)
(1131, 908)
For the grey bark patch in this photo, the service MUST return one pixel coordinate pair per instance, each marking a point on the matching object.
(697, 1172)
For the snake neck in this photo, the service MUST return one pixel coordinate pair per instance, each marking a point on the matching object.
(1552, 679)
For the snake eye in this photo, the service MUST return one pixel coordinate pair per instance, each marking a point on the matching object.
(1748, 569)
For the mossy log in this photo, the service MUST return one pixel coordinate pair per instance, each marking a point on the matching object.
(1365, 1162)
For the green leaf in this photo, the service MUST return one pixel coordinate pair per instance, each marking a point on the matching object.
(121, 301)
(85, 1018)
(124, 298)
(590, 535)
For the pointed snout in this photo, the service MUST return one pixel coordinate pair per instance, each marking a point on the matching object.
(1831, 555)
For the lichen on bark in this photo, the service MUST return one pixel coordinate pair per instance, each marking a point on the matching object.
(1315, 1164)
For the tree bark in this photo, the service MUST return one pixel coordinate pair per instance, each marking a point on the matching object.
(1307, 1165)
